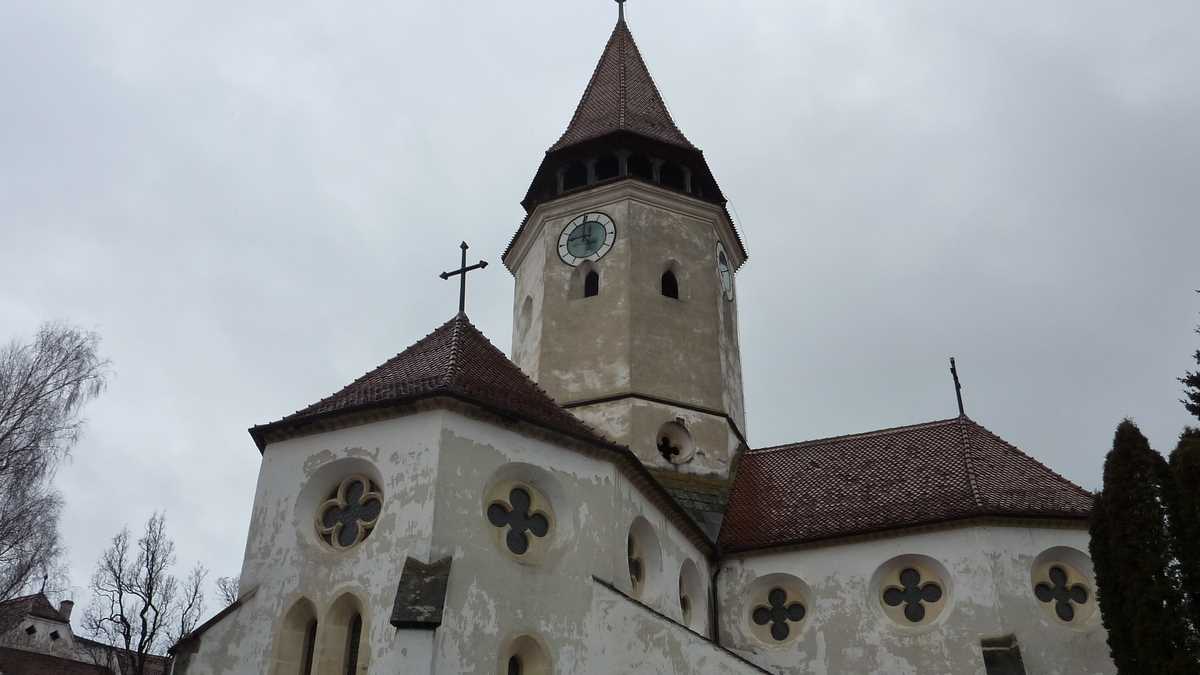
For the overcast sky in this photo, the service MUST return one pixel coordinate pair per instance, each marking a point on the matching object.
(251, 206)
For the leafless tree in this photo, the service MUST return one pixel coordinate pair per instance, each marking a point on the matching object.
(227, 590)
(137, 605)
(43, 387)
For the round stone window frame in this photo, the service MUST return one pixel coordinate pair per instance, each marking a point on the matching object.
(500, 493)
(1078, 566)
(321, 484)
(757, 593)
(337, 498)
(888, 575)
(677, 434)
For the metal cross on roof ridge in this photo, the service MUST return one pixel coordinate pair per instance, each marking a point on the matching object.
(461, 273)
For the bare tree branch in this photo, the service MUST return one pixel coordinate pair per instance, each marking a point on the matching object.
(136, 603)
(227, 590)
(43, 386)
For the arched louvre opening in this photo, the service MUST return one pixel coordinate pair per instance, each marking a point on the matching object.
(641, 167)
(671, 175)
(591, 284)
(576, 175)
(670, 285)
(607, 167)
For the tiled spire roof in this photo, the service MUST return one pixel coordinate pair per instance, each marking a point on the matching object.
(621, 96)
(454, 360)
(883, 480)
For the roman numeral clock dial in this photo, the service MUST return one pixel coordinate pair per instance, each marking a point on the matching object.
(587, 237)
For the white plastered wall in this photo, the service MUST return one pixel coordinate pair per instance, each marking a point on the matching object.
(991, 596)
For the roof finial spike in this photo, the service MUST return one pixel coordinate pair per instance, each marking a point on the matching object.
(957, 387)
(620, 11)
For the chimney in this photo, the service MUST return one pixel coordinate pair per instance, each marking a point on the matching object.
(65, 608)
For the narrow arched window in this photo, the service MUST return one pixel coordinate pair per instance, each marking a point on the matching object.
(591, 284)
(514, 665)
(670, 285)
(310, 643)
(352, 638)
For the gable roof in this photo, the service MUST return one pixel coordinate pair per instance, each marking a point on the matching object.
(621, 96)
(454, 360)
(14, 610)
(894, 478)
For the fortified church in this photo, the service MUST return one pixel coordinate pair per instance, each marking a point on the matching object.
(593, 504)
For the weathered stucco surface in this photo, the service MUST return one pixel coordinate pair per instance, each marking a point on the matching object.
(630, 339)
(990, 595)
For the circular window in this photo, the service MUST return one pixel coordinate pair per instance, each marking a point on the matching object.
(643, 557)
(348, 515)
(912, 590)
(675, 443)
(1063, 586)
(693, 603)
(521, 519)
(776, 609)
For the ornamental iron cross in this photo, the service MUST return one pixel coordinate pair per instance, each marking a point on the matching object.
(461, 273)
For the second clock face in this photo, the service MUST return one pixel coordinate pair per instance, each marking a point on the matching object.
(588, 237)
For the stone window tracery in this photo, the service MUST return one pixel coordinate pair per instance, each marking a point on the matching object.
(1063, 595)
(778, 613)
(349, 514)
(912, 594)
(520, 518)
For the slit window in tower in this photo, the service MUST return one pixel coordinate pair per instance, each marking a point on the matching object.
(670, 285)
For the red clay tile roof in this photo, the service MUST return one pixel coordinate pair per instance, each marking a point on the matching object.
(455, 360)
(903, 477)
(621, 96)
(19, 662)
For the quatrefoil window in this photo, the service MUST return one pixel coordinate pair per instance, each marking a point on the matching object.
(912, 594)
(1065, 596)
(520, 518)
(350, 512)
(778, 613)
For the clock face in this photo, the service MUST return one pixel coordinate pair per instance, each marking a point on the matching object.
(725, 271)
(588, 237)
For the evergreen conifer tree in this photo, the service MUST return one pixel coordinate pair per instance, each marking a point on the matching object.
(1140, 599)
(1191, 384)
(1185, 515)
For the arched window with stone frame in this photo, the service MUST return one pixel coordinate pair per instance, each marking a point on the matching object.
(343, 644)
(585, 281)
(296, 640)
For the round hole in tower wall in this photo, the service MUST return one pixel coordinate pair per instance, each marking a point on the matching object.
(643, 559)
(1062, 584)
(674, 442)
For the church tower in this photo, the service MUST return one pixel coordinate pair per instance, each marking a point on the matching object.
(625, 308)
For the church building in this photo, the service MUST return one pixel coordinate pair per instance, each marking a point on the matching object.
(593, 502)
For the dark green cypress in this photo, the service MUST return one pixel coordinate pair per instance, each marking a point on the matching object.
(1140, 599)
(1185, 515)
(1191, 385)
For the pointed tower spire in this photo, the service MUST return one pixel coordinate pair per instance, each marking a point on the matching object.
(621, 96)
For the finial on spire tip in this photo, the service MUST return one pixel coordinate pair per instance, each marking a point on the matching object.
(620, 10)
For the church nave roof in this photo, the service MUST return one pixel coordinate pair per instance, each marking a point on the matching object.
(884, 480)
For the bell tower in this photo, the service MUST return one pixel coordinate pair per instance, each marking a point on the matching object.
(626, 308)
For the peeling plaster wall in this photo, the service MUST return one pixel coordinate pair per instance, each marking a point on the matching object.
(635, 423)
(492, 598)
(285, 560)
(991, 595)
(636, 641)
(630, 338)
